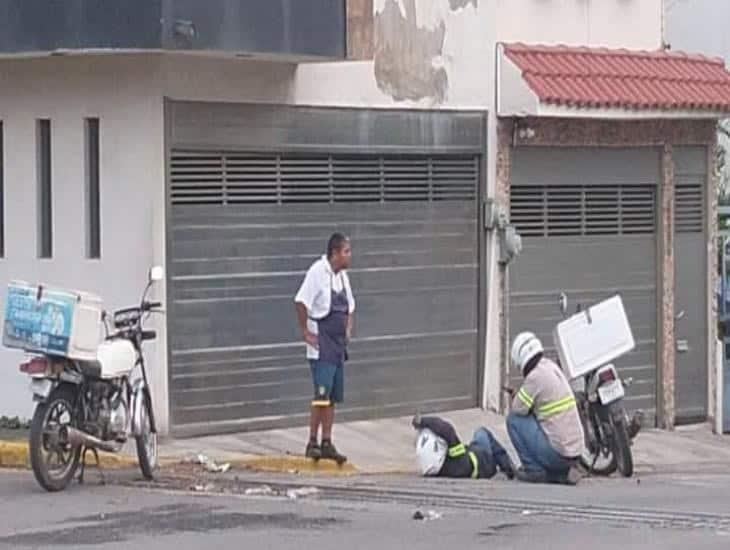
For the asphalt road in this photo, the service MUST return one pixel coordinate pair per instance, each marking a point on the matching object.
(672, 512)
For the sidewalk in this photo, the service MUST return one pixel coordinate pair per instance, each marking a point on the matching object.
(386, 446)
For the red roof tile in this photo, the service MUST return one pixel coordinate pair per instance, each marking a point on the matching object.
(601, 78)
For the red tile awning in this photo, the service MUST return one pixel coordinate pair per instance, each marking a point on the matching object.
(598, 78)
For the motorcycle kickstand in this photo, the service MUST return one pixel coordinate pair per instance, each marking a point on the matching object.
(85, 450)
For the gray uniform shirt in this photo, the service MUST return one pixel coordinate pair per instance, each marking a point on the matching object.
(547, 394)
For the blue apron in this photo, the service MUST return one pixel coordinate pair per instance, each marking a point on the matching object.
(332, 329)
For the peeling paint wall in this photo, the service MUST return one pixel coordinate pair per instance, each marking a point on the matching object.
(408, 57)
(435, 53)
(431, 54)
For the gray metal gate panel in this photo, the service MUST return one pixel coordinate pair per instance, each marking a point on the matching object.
(690, 290)
(257, 127)
(588, 219)
(245, 227)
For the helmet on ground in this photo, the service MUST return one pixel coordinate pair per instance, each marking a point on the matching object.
(431, 452)
(525, 347)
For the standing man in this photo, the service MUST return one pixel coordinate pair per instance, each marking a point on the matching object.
(325, 306)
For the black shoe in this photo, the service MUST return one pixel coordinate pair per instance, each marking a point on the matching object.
(531, 476)
(313, 450)
(505, 464)
(330, 452)
(573, 476)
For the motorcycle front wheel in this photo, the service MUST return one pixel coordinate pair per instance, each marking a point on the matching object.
(147, 443)
(602, 465)
(54, 463)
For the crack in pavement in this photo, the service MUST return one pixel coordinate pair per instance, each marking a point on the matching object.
(158, 521)
(336, 491)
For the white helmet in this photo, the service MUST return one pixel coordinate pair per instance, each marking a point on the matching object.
(431, 452)
(525, 347)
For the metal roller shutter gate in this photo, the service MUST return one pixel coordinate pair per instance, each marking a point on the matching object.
(245, 227)
(588, 219)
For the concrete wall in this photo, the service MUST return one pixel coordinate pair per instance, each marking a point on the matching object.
(699, 26)
(633, 24)
(123, 92)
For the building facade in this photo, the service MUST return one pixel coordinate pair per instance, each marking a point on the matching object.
(233, 140)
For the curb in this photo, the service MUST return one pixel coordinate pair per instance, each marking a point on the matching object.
(14, 454)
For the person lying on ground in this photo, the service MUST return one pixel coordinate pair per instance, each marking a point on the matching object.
(441, 453)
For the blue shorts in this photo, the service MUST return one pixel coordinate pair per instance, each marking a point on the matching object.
(329, 383)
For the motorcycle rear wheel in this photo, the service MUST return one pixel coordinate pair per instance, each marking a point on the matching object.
(53, 464)
(622, 443)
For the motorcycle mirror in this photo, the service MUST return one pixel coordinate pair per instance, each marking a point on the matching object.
(563, 302)
(157, 273)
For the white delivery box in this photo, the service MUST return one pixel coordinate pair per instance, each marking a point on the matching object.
(593, 337)
(53, 321)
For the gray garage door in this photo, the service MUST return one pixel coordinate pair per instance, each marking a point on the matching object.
(588, 219)
(245, 227)
(690, 285)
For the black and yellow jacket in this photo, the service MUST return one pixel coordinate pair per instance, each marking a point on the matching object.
(470, 461)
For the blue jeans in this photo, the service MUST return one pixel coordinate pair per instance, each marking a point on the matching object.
(484, 439)
(533, 447)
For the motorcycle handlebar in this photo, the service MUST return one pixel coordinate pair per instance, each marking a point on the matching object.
(147, 306)
(149, 335)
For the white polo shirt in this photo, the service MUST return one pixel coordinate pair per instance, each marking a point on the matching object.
(316, 295)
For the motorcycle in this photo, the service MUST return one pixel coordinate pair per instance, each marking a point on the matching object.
(94, 405)
(608, 431)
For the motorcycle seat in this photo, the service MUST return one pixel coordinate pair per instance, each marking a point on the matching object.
(91, 369)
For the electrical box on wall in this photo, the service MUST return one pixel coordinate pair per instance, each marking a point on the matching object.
(510, 244)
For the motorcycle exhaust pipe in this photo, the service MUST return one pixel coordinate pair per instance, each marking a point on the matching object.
(77, 438)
